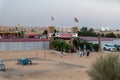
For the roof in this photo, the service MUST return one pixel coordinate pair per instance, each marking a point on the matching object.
(32, 34)
(65, 35)
(24, 40)
(7, 32)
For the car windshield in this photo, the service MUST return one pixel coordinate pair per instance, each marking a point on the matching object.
(109, 45)
(117, 45)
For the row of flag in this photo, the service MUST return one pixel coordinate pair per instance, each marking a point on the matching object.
(75, 19)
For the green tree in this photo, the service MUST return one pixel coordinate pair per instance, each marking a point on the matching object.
(55, 31)
(61, 45)
(87, 32)
(110, 35)
(118, 35)
(45, 32)
(76, 43)
(68, 48)
(83, 29)
(91, 30)
(21, 34)
(80, 43)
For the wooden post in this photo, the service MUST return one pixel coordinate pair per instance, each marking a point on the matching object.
(44, 54)
(36, 54)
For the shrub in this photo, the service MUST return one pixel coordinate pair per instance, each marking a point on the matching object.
(106, 68)
(95, 47)
(68, 48)
(62, 45)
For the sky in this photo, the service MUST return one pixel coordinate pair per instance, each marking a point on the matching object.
(90, 13)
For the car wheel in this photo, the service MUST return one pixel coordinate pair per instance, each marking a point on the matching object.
(117, 49)
(104, 48)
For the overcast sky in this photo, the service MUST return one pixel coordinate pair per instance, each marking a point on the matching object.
(90, 13)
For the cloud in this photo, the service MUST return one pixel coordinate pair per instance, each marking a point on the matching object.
(95, 12)
(108, 0)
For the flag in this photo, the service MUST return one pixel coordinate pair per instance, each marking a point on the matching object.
(75, 19)
(52, 18)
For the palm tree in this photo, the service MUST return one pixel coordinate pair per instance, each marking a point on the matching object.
(45, 32)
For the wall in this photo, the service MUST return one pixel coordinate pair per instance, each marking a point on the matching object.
(24, 46)
(116, 41)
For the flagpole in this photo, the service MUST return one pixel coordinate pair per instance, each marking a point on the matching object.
(52, 19)
(75, 21)
(74, 24)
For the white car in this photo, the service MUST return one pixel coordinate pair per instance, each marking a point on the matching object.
(109, 47)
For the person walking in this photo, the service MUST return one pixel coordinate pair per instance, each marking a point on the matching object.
(88, 52)
(84, 50)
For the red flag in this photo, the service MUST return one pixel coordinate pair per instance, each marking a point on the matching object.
(52, 18)
(75, 19)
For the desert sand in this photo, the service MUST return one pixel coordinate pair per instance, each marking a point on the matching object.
(47, 65)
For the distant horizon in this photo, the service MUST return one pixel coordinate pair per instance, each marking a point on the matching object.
(96, 28)
(89, 13)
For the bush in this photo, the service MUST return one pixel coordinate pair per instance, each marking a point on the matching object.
(95, 47)
(106, 68)
(68, 48)
(62, 45)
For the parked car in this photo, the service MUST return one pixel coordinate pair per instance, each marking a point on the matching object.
(117, 47)
(109, 47)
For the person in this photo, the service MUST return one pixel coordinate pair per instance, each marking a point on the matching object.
(81, 53)
(84, 47)
(88, 52)
(75, 50)
(84, 50)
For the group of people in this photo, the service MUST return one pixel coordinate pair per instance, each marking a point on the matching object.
(84, 52)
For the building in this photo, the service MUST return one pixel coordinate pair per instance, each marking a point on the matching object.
(74, 29)
(8, 35)
(50, 31)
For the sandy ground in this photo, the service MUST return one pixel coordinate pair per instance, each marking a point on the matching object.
(47, 65)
